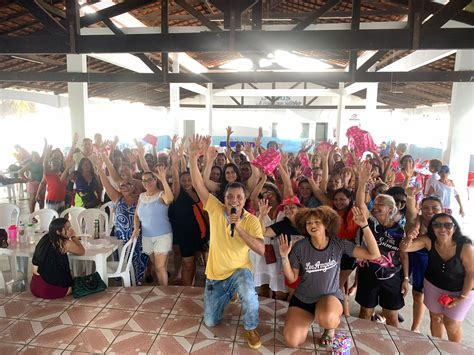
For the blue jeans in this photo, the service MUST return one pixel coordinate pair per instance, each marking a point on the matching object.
(218, 294)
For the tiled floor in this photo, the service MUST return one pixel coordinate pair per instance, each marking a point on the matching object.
(168, 320)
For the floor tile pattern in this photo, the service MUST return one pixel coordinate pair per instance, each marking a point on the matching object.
(168, 320)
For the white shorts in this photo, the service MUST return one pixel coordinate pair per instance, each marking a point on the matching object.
(162, 244)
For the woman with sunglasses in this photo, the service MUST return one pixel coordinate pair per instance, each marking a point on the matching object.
(449, 278)
(125, 202)
(151, 219)
(418, 260)
(383, 281)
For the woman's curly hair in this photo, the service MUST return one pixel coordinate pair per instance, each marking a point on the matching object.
(327, 215)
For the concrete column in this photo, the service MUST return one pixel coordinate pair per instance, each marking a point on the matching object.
(77, 95)
(178, 127)
(340, 128)
(209, 101)
(371, 100)
(461, 126)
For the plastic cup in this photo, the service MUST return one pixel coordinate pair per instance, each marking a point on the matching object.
(12, 232)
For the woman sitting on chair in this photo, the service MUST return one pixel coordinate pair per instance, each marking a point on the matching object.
(51, 273)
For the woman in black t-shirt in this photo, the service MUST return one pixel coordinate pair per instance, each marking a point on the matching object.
(51, 273)
(317, 260)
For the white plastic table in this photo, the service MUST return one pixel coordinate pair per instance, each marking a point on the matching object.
(97, 255)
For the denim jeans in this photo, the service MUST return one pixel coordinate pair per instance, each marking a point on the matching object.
(218, 294)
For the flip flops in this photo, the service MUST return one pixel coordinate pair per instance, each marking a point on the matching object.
(327, 339)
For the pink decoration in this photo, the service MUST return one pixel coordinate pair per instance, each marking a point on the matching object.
(268, 160)
(303, 158)
(149, 138)
(359, 140)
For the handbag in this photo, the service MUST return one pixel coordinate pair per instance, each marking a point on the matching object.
(88, 285)
(3, 238)
(89, 199)
(270, 257)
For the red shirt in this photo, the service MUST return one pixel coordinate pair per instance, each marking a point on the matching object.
(348, 228)
(56, 187)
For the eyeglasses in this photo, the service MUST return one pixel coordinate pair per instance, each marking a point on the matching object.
(447, 225)
(401, 202)
(147, 180)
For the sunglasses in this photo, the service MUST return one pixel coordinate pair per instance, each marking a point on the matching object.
(447, 225)
(400, 201)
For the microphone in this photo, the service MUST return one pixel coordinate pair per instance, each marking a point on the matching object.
(233, 210)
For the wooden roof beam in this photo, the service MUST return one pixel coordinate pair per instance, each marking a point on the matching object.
(315, 15)
(113, 11)
(49, 22)
(198, 15)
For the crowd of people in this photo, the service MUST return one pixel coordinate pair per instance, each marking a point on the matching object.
(293, 226)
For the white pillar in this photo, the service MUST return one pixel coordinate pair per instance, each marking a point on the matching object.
(209, 100)
(371, 100)
(178, 127)
(461, 126)
(340, 130)
(77, 95)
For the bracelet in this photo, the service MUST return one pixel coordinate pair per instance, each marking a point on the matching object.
(406, 278)
(283, 258)
(361, 228)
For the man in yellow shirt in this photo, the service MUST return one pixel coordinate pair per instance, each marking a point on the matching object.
(233, 231)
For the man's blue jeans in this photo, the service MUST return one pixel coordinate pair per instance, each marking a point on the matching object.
(218, 294)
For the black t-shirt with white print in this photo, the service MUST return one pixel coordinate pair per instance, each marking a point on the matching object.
(319, 269)
(388, 241)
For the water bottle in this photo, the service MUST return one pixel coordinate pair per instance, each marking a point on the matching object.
(30, 232)
(96, 229)
(22, 233)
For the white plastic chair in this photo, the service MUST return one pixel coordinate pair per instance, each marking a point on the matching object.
(87, 220)
(45, 216)
(123, 268)
(7, 210)
(110, 206)
(10, 279)
(73, 213)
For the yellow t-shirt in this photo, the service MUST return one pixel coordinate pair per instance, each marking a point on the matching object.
(226, 253)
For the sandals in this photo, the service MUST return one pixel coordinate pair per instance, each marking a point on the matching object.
(327, 338)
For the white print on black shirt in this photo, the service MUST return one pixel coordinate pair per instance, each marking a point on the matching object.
(318, 266)
(388, 243)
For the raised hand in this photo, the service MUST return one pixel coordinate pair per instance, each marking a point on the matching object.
(284, 159)
(413, 234)
(263, 207)
(365, 171)
(161, 173)
(75, 139)
(229, 131)
(140, 147)
(99, 162)
(247, 148)
(174, 155)
(194, 145)
(412, 191)
(359, 217)
(174, 140)
(283, 245)
(211, 153)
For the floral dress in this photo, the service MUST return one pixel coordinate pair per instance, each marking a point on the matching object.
(123, 230)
